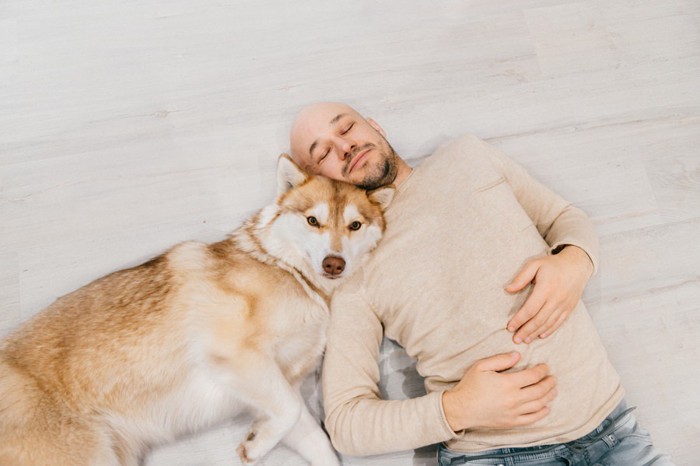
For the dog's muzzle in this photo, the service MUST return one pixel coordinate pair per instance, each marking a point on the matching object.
(333, 266)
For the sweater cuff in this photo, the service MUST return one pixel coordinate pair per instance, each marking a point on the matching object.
(448, 433)
(558, 246)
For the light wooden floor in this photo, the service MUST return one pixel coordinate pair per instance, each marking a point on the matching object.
(127, 126)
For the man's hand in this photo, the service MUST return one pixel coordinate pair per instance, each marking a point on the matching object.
(559, 281)
(488, 399)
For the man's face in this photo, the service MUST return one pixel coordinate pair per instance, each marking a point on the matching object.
(335, 141)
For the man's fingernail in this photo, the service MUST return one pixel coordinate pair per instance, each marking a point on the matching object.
(528, 339)
(518, 340)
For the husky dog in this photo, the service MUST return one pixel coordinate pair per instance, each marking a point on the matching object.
(186, 340)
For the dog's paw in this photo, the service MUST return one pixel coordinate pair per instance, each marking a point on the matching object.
(242, 449)
(246, 450)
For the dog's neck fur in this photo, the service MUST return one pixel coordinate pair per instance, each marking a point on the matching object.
(248, 238)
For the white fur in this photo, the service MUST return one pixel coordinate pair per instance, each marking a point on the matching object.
(350, 214)
(356, 245)
(304, 247)
(320, 211)
(289, 175)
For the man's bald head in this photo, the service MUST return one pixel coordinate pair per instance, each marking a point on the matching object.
(314, 119)
(335, 140)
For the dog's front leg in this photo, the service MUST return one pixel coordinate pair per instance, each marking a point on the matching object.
(268, 390)
(310, 441)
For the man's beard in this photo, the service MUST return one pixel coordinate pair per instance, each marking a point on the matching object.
(384, 172)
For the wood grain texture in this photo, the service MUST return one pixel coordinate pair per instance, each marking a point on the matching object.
(127, 126)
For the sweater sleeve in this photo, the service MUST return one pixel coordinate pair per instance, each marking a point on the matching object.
(358, 421)
(559, 222)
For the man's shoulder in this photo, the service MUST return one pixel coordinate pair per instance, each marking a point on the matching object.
(468, 146)
(465, 156)
(466, 141)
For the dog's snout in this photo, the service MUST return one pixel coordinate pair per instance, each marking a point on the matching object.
(333, 265)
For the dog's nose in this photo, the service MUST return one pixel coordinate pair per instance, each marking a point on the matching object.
(333, 265)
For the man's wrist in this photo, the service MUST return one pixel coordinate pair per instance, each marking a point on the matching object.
(579, 255)
(449, 407)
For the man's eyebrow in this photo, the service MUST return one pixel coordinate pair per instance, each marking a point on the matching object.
(313, 146)
(333, 121)
(336, 118)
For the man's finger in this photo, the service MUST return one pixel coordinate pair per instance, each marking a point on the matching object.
(529, 376)
(524, 277)
(526, 419)
(541, 402)
(538, 390)
(499, 362)
(560, 320)
(529, 309)
(545, 318)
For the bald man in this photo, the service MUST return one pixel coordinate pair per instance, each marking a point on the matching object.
(513, 374)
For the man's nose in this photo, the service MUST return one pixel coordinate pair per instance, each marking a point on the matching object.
(346, 147)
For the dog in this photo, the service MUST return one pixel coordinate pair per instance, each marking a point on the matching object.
(190, 338)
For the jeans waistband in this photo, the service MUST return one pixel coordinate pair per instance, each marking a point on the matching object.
(604, 429)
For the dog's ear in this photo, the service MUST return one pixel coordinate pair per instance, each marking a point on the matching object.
(382, 196)
(289, 174)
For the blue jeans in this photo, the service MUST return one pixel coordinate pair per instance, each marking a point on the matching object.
(618, 440)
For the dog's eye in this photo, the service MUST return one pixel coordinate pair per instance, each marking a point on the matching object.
(354, 226)
(313, 221)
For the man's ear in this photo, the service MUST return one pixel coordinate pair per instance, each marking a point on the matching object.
(376, 126)
(289, 174)
(382, 196)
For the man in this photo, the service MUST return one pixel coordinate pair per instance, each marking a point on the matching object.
(513, 367)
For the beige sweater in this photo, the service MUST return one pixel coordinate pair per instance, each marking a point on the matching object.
(459, 229)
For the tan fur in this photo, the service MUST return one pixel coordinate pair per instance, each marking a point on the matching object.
(172, 346)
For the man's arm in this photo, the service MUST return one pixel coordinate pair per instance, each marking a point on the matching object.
(358, 421)
(560, 278)
(361, 423)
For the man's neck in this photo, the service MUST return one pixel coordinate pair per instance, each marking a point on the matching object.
(403, 170)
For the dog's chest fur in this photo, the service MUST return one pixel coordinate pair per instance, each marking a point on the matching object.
(235, 310)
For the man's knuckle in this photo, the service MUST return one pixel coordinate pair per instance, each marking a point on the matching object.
(525, 329)
(480, 365)
(539, 320)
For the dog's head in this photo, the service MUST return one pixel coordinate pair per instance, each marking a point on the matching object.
(322, 226)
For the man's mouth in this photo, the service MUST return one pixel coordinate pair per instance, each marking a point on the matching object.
(358, 158)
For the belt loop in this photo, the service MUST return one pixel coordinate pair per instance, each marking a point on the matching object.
(610, 439)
